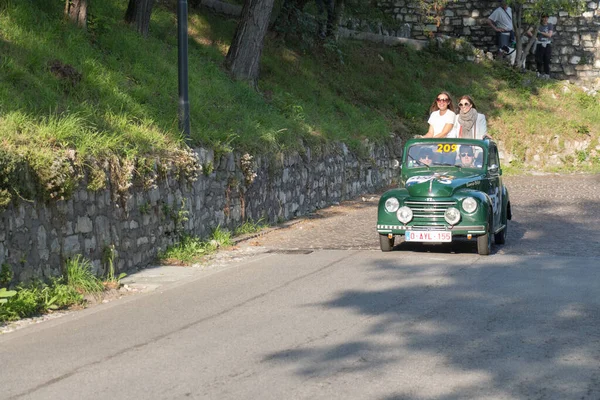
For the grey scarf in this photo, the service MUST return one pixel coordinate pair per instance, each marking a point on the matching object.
(467, 120)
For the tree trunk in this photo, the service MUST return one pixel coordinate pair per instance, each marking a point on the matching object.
(138, 13)
(243, 57)
(517, 18)
(76, 12)
(520, 30)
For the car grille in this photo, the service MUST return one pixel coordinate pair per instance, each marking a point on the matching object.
(429, 214)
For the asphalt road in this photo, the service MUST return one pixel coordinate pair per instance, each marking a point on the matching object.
(306, 318)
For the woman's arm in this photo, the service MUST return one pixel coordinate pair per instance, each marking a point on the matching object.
(481, 127)
(429, 132)
(445, 131)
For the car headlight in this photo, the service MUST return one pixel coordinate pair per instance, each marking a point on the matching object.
(392, 204)
(452, 215)
(404, 214)
(469, 204)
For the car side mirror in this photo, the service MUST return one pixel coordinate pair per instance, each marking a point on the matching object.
(493, 169)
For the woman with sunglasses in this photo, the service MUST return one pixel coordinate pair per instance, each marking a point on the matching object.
(442, 116)
(470, 124)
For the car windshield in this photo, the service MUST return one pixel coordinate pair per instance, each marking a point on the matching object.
(447, 153)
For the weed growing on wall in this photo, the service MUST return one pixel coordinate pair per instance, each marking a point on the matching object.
(79, 275)
(250, 226)
(190, 249)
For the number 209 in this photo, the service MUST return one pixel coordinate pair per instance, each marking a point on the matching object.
(446, 148)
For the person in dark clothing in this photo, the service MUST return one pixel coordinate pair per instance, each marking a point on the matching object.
(543, 51)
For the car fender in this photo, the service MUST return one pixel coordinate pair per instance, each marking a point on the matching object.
(486, 204)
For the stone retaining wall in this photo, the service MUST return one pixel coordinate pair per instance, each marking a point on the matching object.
(576, 44)
(36, 238)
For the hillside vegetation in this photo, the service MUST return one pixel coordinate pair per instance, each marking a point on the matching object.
(107, 95)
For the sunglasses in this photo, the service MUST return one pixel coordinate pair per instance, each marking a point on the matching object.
(466, 155)
(442, 100)
(425, 158)
(464, 104)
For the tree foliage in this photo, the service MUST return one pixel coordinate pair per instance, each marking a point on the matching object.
(290, 19)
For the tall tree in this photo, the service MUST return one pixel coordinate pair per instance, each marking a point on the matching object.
(526, 15)
(138, 14)
(76, 12)
(243, 57)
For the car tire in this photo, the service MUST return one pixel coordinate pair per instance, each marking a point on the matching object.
(500, 237)
(386, 243)
(484, 242)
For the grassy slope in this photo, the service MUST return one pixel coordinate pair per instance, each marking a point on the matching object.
(126, 100)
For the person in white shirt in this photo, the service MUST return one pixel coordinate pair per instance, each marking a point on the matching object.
(501, 21)
(441, 122)
(442, 116)
(469, 124)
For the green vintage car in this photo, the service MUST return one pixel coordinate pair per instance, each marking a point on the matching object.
(450, 189)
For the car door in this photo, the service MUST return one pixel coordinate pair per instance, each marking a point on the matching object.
(495, 185)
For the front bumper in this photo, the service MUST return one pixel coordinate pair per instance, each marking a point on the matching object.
(457, 230)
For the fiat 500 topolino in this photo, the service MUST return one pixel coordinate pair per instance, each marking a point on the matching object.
(449, 189)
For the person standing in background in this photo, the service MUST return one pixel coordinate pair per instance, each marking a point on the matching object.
(543, 51)
(501, 21)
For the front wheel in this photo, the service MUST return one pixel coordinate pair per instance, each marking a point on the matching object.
(484, 244)
(500, 237)
(386, 243)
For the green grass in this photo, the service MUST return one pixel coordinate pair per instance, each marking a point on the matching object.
(37, 297)
(190, 249)
(81, 277)
(250, 226)
(122, 98)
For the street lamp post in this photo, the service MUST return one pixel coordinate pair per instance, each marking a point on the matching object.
(182, 58)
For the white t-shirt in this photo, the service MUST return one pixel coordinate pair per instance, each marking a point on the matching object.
(439, 121)
(502, 19)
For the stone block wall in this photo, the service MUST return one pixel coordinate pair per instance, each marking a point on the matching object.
(36, 238)
(576, 44)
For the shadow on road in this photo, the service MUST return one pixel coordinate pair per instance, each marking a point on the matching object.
(486, 330)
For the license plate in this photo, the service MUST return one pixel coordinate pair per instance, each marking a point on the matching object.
(426, 236)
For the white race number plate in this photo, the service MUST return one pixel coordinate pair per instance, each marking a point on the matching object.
(426, 236)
